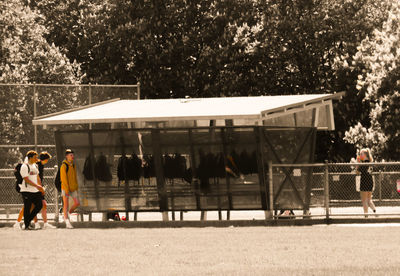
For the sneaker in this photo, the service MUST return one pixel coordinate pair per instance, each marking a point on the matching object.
(68, 224)
(47, 225)
(37, 225)
(17, 225)
(30, 227)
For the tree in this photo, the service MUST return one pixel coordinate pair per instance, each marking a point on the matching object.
(379, 56)
(26, 57)
(213, 48)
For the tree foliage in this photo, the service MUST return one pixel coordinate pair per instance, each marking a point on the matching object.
(178, 48)
(26, 57)
(379, 82)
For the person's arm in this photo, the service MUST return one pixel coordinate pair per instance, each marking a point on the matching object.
(64, 178)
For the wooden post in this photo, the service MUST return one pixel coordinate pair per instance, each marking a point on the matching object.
(138, 90)
(193, 165)
(227, 179)
(162, 195)
(268, 214)
(308, 184)
(261, 168)
(203, 215)
(96, 182)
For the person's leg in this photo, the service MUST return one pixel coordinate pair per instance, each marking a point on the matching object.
(364, 201)
(27, 207)
(29, 199)
(21, 214)
(76, 204)
(65, 207)
(35, 218)
(370, 202)
(44, 211)
(37, 201)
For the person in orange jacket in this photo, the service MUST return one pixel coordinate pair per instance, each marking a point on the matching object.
(69, 185)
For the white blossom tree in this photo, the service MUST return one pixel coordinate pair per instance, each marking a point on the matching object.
(26, 57)
(379, 82)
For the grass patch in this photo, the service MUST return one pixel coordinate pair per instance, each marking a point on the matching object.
(308, 250)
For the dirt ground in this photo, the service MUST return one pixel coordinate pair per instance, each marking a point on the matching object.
(302, 250)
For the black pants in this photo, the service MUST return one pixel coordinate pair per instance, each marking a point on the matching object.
(29, 199)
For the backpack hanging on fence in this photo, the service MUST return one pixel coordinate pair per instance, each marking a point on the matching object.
(18, 176)
(57, 180)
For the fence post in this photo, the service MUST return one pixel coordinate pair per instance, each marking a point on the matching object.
(380, 185)
(326, 190)
(90, 100)
(35, 98)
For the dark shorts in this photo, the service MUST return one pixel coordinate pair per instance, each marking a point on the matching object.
(366, 183)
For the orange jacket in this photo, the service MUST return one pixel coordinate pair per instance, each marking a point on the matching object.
(69, 182)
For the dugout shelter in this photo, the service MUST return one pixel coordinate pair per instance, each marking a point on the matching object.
(193, 154)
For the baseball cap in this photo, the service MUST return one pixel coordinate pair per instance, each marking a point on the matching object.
(68, 151)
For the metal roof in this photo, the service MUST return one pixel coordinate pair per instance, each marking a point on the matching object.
(256, 108)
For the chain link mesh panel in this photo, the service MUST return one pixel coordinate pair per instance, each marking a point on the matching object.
(11, 201)
(303, 187)
(345, 180)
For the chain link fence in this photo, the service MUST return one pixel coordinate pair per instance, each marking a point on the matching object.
(333, 189)
(27, 101)
(11, 201)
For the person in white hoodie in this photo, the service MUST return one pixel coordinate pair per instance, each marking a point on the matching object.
(31, 188)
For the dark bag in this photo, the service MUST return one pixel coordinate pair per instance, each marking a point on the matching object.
(102, 169)
(87, 168)
(18, 176)
(57, 180)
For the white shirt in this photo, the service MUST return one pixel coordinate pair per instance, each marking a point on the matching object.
(32, 175)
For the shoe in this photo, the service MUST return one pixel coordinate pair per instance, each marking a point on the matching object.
(17, 225)
(37, 226)
(68, 224)
(30, 227)
(47, 225)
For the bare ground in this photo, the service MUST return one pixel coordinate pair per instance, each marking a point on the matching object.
(305, 250)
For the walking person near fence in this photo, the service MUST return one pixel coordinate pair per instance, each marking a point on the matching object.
(366, 182)
(44, 158)
(69, 185)
(31, 188)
